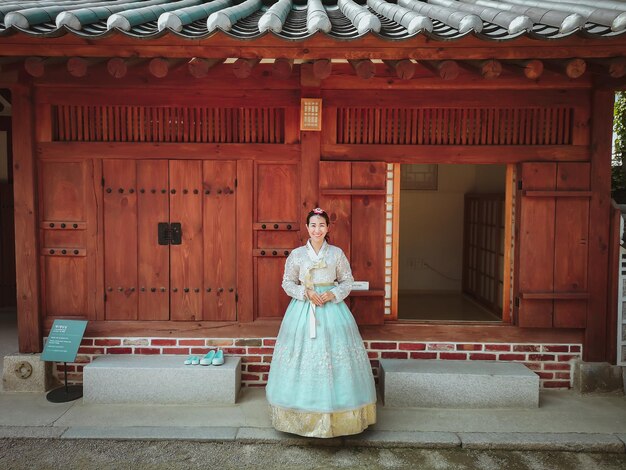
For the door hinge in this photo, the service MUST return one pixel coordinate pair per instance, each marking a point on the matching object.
(170, 234)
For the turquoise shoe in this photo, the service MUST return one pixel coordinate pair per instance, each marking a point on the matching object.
(218, 360)
(189, 360)
(195, 361)
(208, 359)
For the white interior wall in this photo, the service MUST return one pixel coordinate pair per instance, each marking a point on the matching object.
(431, 227)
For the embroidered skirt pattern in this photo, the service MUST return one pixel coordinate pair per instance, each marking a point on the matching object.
(322, 386)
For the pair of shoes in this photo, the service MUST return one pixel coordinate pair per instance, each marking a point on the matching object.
(192, 360)
(213, 357)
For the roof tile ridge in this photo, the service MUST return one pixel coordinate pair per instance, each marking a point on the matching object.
(412, 21)
(317, 18)
(274, 18)
(226, 18)
(176, 20)
(462, 21)
(362, 19)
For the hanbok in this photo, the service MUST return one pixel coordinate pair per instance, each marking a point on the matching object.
(320, 381)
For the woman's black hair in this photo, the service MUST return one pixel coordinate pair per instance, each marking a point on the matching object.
(320, 213)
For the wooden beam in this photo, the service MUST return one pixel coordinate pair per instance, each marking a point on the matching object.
(36, 66)
(571, 68)
(488, 69)
(118, 66)
(599, 221)
(532, 69)
(282, 68)
(404, 69)
(160, 67)
(322, 68)
(445, 69)
(242, 68)
(145, 150)
(471, 154)
(26, 218)
(364, 69)
(309, 197)
(615, 67)
(199, 68)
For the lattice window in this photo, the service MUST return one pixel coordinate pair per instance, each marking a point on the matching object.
(168, 124)
(443, 126)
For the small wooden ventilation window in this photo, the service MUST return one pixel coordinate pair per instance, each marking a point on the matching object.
(443, 126)
(168, 124)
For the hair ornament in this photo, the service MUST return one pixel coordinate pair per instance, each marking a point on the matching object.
(318, 210)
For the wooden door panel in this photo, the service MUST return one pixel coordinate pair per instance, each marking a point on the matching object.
(220, 242)
(63, 185)
(65, 288)
(277, 193)
(154, 260)
(120, 239)
(272, 301)
(186, 259)
(536, 239)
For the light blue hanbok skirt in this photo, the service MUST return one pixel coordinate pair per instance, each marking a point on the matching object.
(322, 386)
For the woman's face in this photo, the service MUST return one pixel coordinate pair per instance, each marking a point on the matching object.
(317, 228)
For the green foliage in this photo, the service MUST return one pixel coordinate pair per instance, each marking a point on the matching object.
(618, 170)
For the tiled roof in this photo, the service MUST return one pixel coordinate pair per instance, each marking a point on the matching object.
(296, 20)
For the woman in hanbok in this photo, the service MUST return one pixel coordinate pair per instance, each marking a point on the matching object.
(320, 382)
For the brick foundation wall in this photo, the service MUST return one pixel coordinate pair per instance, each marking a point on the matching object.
(553, 363)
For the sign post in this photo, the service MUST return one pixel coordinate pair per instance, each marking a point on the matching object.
(62, 346)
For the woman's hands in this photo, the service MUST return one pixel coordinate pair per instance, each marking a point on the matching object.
(319, 299)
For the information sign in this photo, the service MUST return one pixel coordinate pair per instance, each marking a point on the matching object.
(64, 340)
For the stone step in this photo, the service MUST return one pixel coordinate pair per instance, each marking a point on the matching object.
(457, 384)
(160, 380)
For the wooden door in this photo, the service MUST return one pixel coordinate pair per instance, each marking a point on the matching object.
(553, 245)
(147, 280)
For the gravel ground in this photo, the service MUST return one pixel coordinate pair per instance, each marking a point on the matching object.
(33, 454)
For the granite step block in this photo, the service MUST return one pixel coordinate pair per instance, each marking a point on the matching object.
(160, 380)
(458, 384)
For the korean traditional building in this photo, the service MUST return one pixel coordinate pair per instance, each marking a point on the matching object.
(165, 155)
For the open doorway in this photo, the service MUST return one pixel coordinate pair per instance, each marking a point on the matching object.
(451, 258)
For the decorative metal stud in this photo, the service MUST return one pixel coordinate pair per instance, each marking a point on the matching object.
(121, 289)
(263, 226)
(275, 226)
(195, 191)
(75, 252)
(185, 191)
(196, 290)
(75, 225)
(286, 253)
(231, 289)
(121, 190)
(62, 225)
(64, 252)
(109, 190)
(186, 289)
(142, 190)
(153, 191)
(153, 289)
(207, 191)
(143, 289)
(51, 225)
(162, 289)
(221, 289)
(288, 226)
(175, 289)
(131, 190)
(274, 252)
(109, 288)
(262, 252)
(163, 191)
(208, 289)
(51, 252)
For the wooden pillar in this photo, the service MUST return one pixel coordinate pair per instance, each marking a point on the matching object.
(594, 349)
(25, 195)
(245, 216)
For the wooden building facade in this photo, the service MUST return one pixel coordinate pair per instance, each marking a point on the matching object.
(162, 175)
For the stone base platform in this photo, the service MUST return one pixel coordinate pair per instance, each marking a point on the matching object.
(458, 384)
(160, 380)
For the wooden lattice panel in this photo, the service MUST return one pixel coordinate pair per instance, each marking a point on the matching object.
(443, 126)
(168, 124)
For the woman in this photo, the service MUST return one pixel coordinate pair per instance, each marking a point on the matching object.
(320, 382)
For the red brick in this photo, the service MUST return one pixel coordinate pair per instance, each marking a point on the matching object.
(119, 350)
(248, 342)
(176, 351)
(245, 359)
(482, 357)
(556, 366)
(545, 375)
(394, 355)
(412, 346)
(453, 356)
(256, 351)
(525, 348)
(469, 347)
(249, 377)
(562, 375)
(373, 354)
(267, 359)
(86, 342)
(200, 350)
(512, 357)
(107, 342)
(191, 342)
(497, 347)
(265, 377)
(163, 342)
(219, 342)
(533, 365)
(147, 351)
(567, 357)
(82, 360)
(555, 348)
(241, 351)
(62, 368)
(269, 342)
(88, 350)
(79, 368)
(556, 384)
(541, 357)
(258, 368)
(383, 345)
(440, 347)
(423, 355)
(574, 349)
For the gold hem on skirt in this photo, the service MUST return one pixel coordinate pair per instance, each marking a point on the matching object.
(316, 424)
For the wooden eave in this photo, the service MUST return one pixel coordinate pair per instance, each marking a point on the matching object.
(319, 46)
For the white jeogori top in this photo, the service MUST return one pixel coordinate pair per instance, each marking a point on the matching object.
(305, 268)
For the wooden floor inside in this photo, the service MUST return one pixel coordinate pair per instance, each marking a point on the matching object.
(442, 307)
